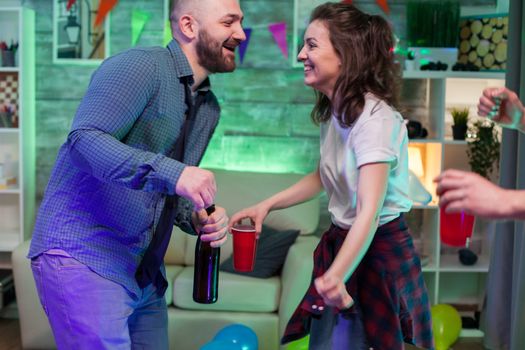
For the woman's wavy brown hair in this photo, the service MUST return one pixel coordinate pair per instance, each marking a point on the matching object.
(365, 45)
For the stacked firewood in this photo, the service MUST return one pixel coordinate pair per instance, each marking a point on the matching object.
(483, 42)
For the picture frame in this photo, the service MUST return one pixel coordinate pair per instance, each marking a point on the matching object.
(75, 39)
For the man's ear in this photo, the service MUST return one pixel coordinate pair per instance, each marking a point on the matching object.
(188, 26)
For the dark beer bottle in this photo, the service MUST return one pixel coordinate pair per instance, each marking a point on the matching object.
(206, 274)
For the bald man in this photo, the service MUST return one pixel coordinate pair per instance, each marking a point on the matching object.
(126, 173)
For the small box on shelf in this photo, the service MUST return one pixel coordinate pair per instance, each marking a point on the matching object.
(8, 172)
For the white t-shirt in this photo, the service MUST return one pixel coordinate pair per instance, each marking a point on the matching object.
(378, 135)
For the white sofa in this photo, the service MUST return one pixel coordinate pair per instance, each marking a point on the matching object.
(264, 305)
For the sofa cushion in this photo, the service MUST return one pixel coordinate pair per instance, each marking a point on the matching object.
(175, 252)
(237, 190)
(272, 249)
(171, 272)
(236, 293)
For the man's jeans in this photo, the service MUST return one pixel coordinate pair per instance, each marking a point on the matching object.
(87, 311)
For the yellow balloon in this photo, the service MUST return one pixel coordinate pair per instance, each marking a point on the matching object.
(299, 344)
(446, 325)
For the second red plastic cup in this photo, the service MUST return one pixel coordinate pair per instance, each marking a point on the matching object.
(244, 247)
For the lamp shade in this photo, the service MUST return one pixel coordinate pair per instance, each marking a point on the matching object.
(72, 29)
(415, 164)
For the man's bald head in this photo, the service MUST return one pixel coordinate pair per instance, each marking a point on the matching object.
(182, 7)
(203, 11)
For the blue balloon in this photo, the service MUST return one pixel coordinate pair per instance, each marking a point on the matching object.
(239, 334)
(221, 345)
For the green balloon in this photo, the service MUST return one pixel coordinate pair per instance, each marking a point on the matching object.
(299, 344)
(446, 325)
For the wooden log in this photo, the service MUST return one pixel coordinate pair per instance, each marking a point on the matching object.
(476, 26)
(483, 48)
(486, 31)
(465, 32)
(488, 61)
(464, 46)
(501, 52)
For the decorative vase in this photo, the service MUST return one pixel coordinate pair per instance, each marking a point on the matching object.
(459, 132)
(8, 58)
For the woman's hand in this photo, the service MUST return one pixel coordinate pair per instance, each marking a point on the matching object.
(256, 214)
(333, 291)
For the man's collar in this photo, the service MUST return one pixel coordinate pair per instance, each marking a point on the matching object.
(182, 65)
(205, 86)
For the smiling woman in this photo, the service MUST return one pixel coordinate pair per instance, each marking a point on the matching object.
(75, 38)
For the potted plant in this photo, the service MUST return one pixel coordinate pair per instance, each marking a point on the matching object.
(483, 148)
(459, 128)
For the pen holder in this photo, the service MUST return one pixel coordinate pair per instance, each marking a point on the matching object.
(8, 58)
(6, 119)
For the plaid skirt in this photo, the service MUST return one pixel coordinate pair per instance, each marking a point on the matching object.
(387, 287)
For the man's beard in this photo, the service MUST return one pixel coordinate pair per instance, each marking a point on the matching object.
(209, 53)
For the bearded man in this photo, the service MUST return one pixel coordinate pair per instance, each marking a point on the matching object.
(126, 173)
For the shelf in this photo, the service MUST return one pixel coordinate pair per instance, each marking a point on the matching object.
(428, 206)
(17, 144)
(416, 74)
(9, 69)
(471, 333)
(10, 191)
(411, 141)
(451, 263)
(429, 268)
(9, 130)
(9, 240)
(455, 142)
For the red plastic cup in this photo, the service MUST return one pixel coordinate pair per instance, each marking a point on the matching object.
(244, 247)
(455, 228)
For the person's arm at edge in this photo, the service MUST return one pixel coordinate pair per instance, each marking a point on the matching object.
(516, 203)
(502, 106)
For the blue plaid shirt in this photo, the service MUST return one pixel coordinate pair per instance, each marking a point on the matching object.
(111, 177)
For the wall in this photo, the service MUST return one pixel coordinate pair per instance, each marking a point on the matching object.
(265, 105)
(265, 122)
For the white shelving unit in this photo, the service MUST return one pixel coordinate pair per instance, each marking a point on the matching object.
(17, 141)
(449, 281)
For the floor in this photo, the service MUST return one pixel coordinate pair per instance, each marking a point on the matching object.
(10, 338)
(10, 334)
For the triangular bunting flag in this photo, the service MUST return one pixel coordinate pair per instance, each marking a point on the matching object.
(70, 3)
(244, 45)
(382, 3)
(139, 19)
(104, 8)
(278, 31)
(384, 6)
